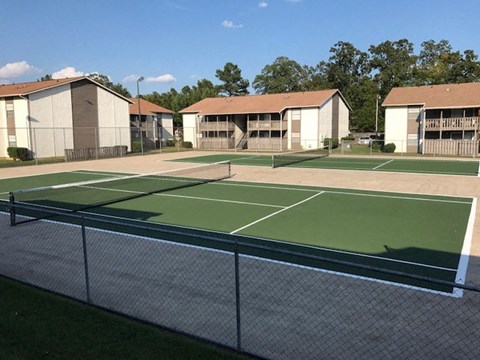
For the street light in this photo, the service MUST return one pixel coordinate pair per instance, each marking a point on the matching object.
(377, 96)
(140, 79)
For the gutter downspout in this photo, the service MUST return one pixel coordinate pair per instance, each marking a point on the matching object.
(29, 128)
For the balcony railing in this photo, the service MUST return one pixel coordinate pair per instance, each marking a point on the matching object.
(216, 126)
(268, 125)
(449, 124)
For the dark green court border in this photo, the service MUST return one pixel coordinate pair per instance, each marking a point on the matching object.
(421, 166)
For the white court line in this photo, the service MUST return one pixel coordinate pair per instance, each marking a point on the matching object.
(187, 197)
(400, 197)
(385, 163)
(275, 213)
(220, 200)
(348, 193)
(467, 244)
(478, 169)
(307, 190)
(337, 273)
(98, 173)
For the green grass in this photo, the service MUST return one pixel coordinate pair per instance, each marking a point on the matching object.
(39, 325)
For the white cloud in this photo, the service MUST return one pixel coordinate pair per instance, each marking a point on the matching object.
(130, 78)
(230, 25)
(167, 78)
(262, 4)
(69, 71)
(16, 69)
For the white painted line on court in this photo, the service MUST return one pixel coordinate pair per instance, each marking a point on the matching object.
(478, 174)
(187, 197)
(273, 187)
(383, 164)
(467, 244)
(86, 172)
(220, 200)
(455, 293)
(400, 197)
(277, 212)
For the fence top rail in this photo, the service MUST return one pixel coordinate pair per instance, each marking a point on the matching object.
(234, 242)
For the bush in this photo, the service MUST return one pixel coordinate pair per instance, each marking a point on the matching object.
(348, 138)
(377, 145)
(187, 144)
(389, 148)
(170, 142)
(327, 141)
(20, 153)
(136, 146)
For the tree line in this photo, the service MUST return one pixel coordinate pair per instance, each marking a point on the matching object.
(361, 76)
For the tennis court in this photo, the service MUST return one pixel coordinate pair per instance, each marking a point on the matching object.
(445, 167)
(417, 234)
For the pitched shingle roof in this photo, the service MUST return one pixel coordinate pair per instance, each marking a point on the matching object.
(34, 86)
(270, 103)
(147, 108)
(436, 96)
(24, 89)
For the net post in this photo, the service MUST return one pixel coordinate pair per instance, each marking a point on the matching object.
(11, 200)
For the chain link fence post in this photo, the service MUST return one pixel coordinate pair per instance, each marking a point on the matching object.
(85, 261)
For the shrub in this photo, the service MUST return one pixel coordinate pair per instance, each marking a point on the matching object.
(348, 138)
(170, 142)
(20, 153)
(389, 148)
(136, 146)
(327, 141)
(187, 144)
(377, 145)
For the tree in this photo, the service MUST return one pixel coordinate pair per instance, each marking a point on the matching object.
(233, 83)
(45, 77)
(394, 64)
(284, 75)
(105, 81)
(176, 101)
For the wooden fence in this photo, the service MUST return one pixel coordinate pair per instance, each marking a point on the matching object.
(95, 153)
(451, 147)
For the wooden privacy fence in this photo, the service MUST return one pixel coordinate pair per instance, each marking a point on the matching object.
(95, 153)
(451, 147)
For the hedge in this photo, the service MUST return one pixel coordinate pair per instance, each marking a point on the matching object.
(20, 153)
(327, 141)
(389, 148)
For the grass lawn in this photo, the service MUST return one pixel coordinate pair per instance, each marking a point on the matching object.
(38, 325)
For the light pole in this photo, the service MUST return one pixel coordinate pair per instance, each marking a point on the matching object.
(140, 79)
(377, 96)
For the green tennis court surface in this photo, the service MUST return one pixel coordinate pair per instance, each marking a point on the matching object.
(446, 167)
(417, 234)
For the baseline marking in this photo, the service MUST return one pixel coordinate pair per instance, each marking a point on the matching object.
(277, 212)
(383, 164)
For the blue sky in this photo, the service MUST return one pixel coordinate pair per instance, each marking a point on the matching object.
(173, 43)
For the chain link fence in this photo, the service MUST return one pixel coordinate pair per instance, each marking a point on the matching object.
(85, 143)
(222, 289)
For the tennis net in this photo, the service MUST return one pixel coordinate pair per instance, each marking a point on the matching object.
(284, 159)
(80, 196)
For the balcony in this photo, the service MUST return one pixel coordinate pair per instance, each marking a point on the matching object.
(452, 124)
(216, 126)
(268, 125)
